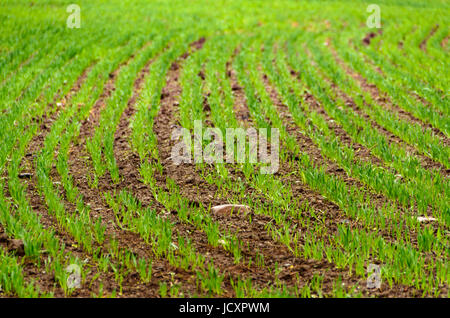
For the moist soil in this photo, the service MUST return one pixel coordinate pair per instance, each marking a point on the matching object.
(292, 271)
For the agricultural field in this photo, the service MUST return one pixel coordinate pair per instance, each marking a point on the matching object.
(98, 97)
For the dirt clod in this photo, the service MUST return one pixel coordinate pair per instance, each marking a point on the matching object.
(17, 246)
(369, 37)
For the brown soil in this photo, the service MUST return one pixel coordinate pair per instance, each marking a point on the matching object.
(240, 102)
(423, 44)
(193, 188)
(94, 197)
(32, 274)
(334, 215)
(253, 235)
(200, 193)
(308, 146)
(46, 281)
(385, 102)
(426, 162)
(14, 246)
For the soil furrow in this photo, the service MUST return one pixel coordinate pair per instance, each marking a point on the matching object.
(278, 253)
(94, 198)
(423, 44)
(426, 162)
(384, 101)
(31, 272)
(255, 238)
(196, 190)
(361, 152)
(308, 146)
(37, 203)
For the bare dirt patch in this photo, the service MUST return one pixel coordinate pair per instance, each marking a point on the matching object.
(423, 44)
